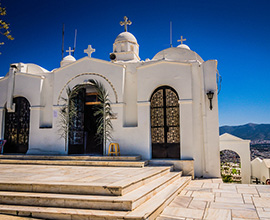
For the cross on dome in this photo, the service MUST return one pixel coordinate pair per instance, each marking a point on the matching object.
(181, 40)
(89, 50)
(125, 23)
(69, 51)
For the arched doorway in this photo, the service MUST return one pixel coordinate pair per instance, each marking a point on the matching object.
(17, 127)
(165, 125)
(230, 166)
(83, 138)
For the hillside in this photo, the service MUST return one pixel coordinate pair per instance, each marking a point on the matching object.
(249, 131)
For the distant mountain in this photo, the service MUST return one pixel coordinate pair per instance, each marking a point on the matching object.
(249, 131)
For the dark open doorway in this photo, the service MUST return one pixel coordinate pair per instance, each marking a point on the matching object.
(83, 137)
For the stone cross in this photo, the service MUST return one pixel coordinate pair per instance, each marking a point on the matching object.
(181, 40)
(69, 51)
(89, 50)
(126, 22)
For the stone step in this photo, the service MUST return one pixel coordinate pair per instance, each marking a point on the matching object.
(148, 210)
(154, 206)
(100, 186)
(126, 202)
(12, 217)
(70, 157)
(106, 163)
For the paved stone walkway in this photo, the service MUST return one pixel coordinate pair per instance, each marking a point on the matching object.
(212, 199)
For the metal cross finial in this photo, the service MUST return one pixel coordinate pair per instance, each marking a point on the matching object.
(69, 51)
(126, 22)
(181, 40)
(89, 50)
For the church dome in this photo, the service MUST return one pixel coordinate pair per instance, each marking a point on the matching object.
(182, 53)
(69, 58)
(35, 69)
(184, 46)
(126, 36)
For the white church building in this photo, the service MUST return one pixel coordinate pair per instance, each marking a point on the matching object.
(164, 108)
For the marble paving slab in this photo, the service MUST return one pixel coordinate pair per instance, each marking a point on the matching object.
(213, 200)
(10, 173)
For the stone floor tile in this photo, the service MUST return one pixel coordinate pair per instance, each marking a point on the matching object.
(230, 199)
(162, 217)
(197, 204)
(181, 201)
(247, 199)
(231, 195)
(182, 212)
(217, 180)
(222, 205)
(245, 218)
(245, 186)
(220, 214)
(247, 190)
(225, 190)
(263, 189)
(210, 185)
(206, 196)
(264, 194)
(244, 214)
(266, 209)
(261, 202)
(218, 194)
(204, 180)
(189, 193)
(195, 184)
(227, 186)
(263, 214)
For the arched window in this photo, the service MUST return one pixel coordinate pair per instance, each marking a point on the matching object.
(122, 47)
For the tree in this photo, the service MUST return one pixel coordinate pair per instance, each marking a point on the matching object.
(227, 178)
(4, 26)
(104, 113)
(67, 113)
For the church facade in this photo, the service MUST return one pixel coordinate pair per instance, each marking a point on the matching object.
(165, 107)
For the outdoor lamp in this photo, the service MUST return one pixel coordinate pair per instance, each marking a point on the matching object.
(210, 95)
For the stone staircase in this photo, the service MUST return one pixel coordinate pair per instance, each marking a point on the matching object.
(113, 161)
(47, 191)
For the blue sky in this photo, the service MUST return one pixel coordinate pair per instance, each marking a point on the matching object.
(235, 32)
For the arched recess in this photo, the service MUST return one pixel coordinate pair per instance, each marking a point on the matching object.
(230, 164)
(165, 123)
(242, 148)
(17, 126)
(87, 74)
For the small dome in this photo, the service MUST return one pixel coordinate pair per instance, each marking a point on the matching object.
(126, 36)
(35, 69)
(180, 54)
(184, 46)
(69, 58)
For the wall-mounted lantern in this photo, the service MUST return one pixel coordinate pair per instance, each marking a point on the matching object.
(210, 95)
